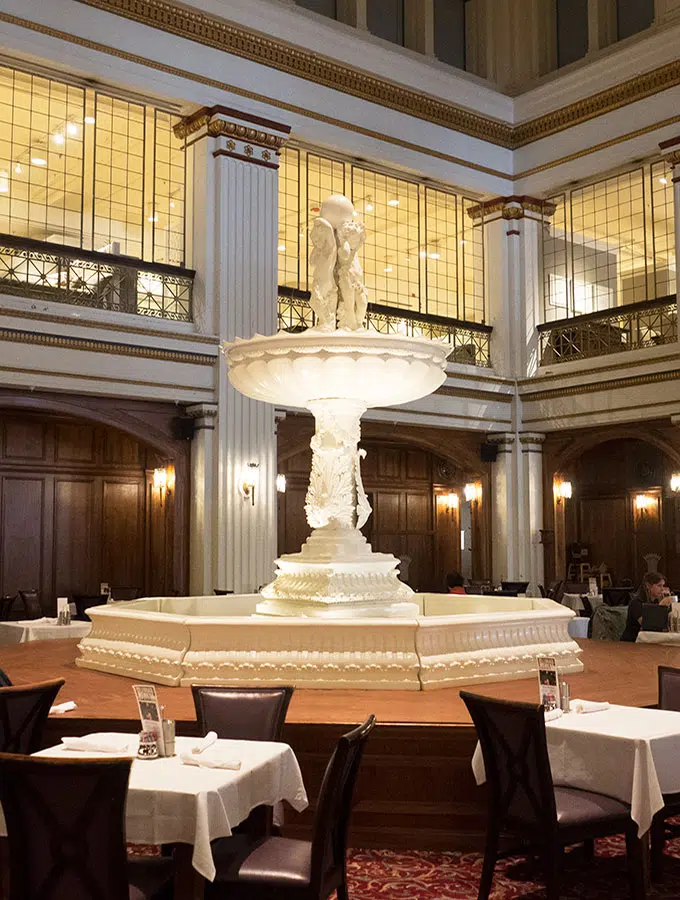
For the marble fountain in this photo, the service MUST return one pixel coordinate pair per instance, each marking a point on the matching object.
(336, 614)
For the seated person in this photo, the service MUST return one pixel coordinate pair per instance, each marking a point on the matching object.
(455, 583)
(652, 590)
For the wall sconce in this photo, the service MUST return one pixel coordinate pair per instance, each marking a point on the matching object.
(675, 483)
(164, 478)
(562, 490)
(281, 484)
(249, 479)
(450, 501)
(472, 491)
(643, 502)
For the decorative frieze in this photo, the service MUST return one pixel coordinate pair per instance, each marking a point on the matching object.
(511, 208)
(244, 136)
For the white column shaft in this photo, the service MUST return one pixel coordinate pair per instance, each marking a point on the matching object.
(246, 236)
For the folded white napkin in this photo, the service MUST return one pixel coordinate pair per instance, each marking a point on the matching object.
(588, 706)
(66, 706)
(203, 743)
(551, 714)
(42, 621)
(209, 761)
(102, 743)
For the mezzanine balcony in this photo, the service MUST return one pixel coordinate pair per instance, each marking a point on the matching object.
(44, 271)
(470, 341)
(634, 326)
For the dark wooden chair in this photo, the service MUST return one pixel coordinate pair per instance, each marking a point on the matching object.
(661, 830)
(524, 803)
(23, 714)
(84, 601)
(124, 593)
(243, 714)
(66, 832)
(6, 604)
(5, 680)
(31, 603)
(288, 869)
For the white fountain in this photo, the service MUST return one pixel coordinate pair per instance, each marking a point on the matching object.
(336, 614)
(337, 370)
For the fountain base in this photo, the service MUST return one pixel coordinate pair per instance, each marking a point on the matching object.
(337, 575)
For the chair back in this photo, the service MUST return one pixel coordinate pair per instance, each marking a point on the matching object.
(84, 601)
(609, 622)
(6, 603)
(65, 827)
(31, 602)
(512, 738)
(334, 805)
(242, 713)
(669, 688)
(124, 593)
(23, 713)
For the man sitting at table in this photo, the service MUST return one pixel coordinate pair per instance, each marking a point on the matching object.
(652, 590)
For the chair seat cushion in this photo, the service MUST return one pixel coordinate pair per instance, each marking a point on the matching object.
(149, 876)
(276, 861)
(575, 807)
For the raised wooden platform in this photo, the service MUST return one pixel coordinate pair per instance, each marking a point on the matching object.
(416, 787)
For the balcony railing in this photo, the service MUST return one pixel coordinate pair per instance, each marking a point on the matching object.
(630, 327)
(43, 271)
(469, 340)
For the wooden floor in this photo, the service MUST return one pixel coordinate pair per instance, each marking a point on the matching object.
(618, 672)
(416, 787)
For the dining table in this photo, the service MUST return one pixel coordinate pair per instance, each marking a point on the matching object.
(626, 752)
(46, 628)
(575, 601)
(170, 802)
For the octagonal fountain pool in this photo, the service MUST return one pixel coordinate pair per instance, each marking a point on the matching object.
(222, 640)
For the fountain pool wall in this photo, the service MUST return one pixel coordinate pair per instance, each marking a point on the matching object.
(454, 640)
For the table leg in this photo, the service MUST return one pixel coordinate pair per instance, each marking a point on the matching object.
(188, 883)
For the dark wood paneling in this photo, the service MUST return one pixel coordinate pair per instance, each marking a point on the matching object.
(389, 511)
(22, 533)
(75, 443)
(417, 465)
(24, 439)
(122, 526)
(122, 450)
(76, 568)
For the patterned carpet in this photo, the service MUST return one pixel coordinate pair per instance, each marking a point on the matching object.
(430, 875)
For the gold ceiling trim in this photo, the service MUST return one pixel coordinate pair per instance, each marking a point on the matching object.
(17, 335)
(597, 386)
(471, 394)
(250, 95)
(258, 47)
(285, 57)
(108, 326)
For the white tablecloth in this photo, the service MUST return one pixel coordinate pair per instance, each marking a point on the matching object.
(45, 629)
(628, 753)
(658, 637)
(578, 627)
(574, 601)
(170, 803)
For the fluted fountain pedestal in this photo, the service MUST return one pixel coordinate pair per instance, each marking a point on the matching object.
(337, 375)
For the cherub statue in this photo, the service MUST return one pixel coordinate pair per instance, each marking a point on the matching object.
(339, 296)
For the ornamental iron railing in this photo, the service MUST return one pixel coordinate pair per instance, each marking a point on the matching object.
(470, 341)
(44, 271)
(649, 323)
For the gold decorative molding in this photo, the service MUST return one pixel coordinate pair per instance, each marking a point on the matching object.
(218, 122)
(258, 47)
(16, 335)
(673, 158)
(471, 394)
(515, 207)
(110, 326)
(593, 387)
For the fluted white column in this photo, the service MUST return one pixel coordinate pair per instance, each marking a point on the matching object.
(531, 445)
(235, 164)
(671, 152)
(202, 543)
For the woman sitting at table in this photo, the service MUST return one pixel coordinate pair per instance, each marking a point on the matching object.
(652, 590)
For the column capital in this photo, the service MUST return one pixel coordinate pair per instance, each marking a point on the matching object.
(203, 413)
(504, 440)
(671, 151)
(513, 207)
(237, 134)
(531, 441)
